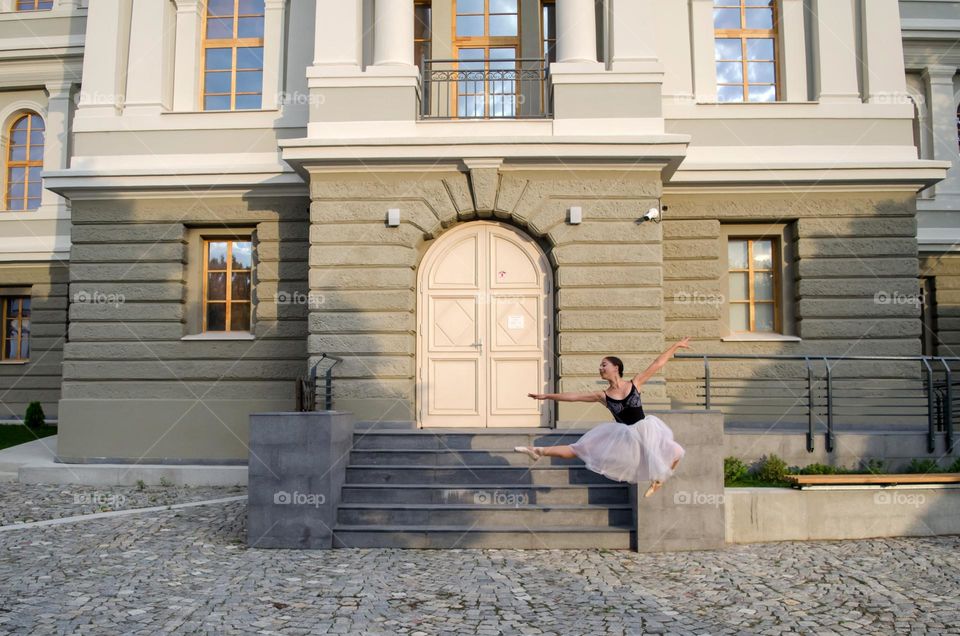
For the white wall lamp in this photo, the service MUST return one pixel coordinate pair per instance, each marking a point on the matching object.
(393, 217)
(576, 215)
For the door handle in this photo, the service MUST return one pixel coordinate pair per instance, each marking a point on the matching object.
(478, 344)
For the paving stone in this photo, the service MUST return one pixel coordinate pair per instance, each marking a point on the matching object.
(188, 571)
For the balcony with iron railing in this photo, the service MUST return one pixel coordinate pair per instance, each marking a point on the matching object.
(485, 89)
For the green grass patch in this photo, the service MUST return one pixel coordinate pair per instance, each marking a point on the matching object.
(13, 434)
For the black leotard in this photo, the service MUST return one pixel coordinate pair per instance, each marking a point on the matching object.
(628, 410)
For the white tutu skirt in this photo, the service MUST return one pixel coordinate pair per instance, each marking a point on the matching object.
(632, 453)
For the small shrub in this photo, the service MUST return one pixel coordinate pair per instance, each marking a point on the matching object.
(771, 469)
(733, 469)
(165, 482)
(874, 466)
(923, 466)
(34, 417)
(141, 484)
(955, 466)
(820, 469)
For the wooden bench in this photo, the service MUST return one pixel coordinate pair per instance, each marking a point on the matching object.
(802, 481)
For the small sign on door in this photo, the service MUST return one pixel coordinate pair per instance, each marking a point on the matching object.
(515, 322)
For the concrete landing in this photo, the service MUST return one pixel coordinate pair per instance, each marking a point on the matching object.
(34, 463)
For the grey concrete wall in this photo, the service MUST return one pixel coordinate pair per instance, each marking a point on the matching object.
(132, 387)
(784, 514)
(851, 449)
(687, 513)
(39, 378)
(298, 463)
(607, 272)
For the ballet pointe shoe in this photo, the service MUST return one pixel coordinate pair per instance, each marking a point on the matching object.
(533, 452)
(654, 487)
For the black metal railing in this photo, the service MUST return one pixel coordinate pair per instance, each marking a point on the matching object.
(485, 89)
(307, 387)
(897, 393)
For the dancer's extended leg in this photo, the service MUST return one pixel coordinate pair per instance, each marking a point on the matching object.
(536, 452)
(558, 451)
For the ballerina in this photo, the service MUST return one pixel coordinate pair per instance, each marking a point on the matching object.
(634, 448)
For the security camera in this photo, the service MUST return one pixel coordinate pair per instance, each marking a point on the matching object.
(653, 214)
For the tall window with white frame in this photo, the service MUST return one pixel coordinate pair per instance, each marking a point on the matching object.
(16, 328)
(228, 283)
(548, 29)
(24, 169)
(745, 33)
(233, 55)
(487, 45)
(422, 31)
(754, 284)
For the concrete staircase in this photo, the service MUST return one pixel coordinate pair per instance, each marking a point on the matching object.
(467, 488)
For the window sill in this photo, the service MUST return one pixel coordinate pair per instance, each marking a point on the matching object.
(14, 361)
(221, 335)
(273, 111)
(754, 104)
(764, 337)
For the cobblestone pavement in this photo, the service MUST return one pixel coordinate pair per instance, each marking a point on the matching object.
(188, 571)
(21, 503)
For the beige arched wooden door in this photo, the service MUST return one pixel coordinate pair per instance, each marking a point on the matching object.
(485, 329)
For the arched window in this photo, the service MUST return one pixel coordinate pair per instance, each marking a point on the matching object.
(745, 34)
(24, 163)
(34, 5)
(233, 54)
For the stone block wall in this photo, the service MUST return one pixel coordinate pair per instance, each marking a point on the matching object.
(854, 263)
(39, 378)
(133, 387)
(607, 272)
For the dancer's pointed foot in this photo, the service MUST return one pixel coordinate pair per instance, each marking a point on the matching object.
(654, 487)
(534, 452)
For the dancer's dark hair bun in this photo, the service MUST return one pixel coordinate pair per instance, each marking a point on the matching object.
(616, 361)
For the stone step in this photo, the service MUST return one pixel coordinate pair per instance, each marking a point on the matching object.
(441, 439)
(487, 515)
(485, 493)
(452, 457)
(519, 537)
(478, 475)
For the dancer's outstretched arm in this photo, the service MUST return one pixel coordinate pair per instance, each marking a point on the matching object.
(661, 360)
(569, 397)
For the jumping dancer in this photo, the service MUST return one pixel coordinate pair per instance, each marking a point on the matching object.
(635, 447)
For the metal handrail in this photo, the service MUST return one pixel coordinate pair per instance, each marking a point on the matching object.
(933, 389)
(439, 90)
(306, 394)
